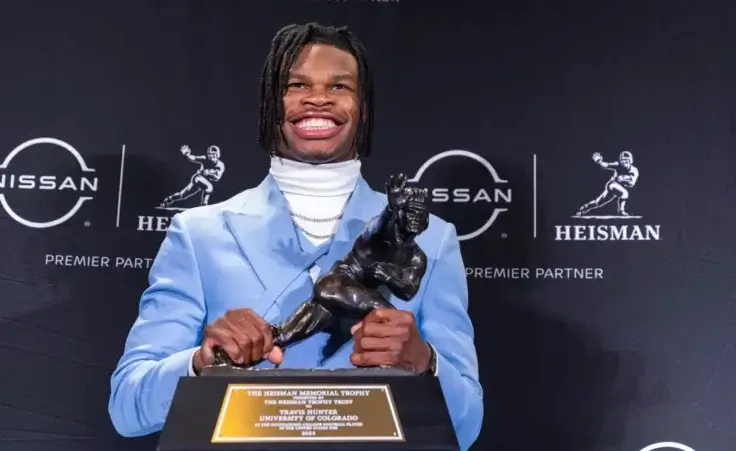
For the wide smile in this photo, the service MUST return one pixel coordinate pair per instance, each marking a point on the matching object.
(316, 127)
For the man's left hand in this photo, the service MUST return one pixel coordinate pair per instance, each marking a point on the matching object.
(390, 338)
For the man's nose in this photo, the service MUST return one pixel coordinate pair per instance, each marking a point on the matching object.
(318, 96)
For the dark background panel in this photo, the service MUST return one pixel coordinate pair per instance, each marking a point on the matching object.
(641, 355)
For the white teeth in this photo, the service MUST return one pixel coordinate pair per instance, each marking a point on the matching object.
(316, 123)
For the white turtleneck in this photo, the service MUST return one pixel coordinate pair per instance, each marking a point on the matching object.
(316, 191)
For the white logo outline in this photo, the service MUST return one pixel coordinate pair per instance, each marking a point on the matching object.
(485, 163)
(662, 445)
(68, 215)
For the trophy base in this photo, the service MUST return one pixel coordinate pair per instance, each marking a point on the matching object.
(229, 408)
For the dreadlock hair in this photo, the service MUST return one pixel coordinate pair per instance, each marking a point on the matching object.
(285, 48)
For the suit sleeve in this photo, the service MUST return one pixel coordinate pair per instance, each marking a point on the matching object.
(162, 340)
(445, 325)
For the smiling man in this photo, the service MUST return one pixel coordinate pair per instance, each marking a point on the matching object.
(318, 126)
(225, 272)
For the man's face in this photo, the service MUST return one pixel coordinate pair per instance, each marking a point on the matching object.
(321, 106)
(212, 155)
(414, 219)
(625, 162)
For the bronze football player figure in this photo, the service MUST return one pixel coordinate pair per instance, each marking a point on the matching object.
(384, 255)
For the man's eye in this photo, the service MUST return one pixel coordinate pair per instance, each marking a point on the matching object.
(296, 85)
(340, 86)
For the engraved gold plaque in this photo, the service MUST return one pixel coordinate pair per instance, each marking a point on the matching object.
(294, 413)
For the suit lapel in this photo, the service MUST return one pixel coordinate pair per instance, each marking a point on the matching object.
(265, 233)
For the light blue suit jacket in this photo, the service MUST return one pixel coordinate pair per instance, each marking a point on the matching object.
(245, 252)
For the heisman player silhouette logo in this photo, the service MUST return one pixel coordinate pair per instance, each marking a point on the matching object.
(202, 181)
(618, 187)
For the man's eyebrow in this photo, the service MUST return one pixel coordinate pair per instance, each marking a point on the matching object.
(343, 76)
(334, 77)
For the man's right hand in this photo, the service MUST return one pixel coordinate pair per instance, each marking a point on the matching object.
(244, 336)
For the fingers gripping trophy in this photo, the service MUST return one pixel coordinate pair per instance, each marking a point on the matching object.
(384, 257)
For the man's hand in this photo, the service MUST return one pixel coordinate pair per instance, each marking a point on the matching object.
(185, 150)
(390, 338)
(244, 336)
(597, 157)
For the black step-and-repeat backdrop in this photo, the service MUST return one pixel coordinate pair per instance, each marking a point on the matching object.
(585, 151)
